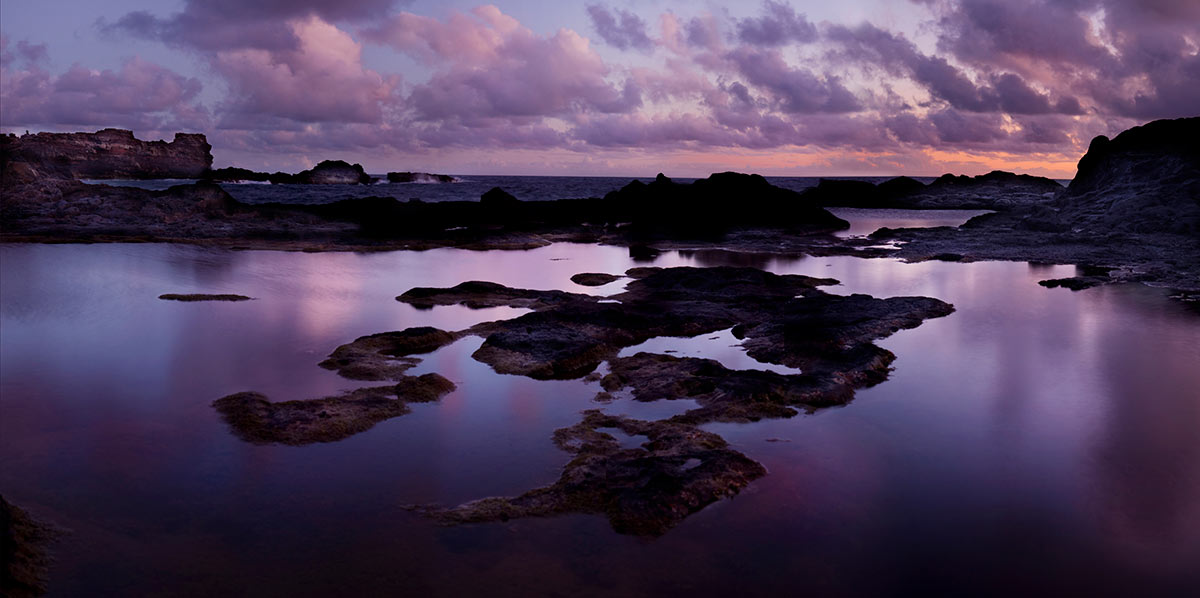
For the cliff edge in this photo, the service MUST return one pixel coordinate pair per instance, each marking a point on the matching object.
(105, 154)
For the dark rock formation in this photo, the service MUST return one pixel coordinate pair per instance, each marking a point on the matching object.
(996, 190)
(1145, 180)
(255, 419)
(593, 279)
(713, 205)
(498, 197)
(782, 319)
(642, 491)
(233, 174)
(106, 154)
(23, 558)
(419, 177)
(385, 356)
(203, 297)
(329, 172)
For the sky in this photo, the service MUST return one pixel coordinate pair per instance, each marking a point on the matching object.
(608, 88)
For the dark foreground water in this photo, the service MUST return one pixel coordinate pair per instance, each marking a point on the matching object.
(1035, 440)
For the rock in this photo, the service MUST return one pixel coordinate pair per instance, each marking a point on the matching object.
(203, 297)
(385, 356)
(333, 172)
(498, 197)
(642, 491)
(1145, 180)
(419, 177)
(593, 279)
(715, 204)
(23, 544)
(255, 419)
(996, 190)
(233, 175)
(110, 154)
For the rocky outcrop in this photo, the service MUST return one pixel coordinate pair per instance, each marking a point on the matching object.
(722, 200)
(332, 172)
(419, 177)
(108, 154)
(996, 190)
(1145, 180)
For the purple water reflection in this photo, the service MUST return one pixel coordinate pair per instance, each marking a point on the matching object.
(1035, 439)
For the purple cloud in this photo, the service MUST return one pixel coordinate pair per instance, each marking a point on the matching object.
(140, 95)
(778, 26)
(798, 89)
(622, 30)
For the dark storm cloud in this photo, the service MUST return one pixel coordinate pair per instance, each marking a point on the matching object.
(620, 28)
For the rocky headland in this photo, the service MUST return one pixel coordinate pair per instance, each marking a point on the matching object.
(105, 154)
(1131, 214)
(996, 190)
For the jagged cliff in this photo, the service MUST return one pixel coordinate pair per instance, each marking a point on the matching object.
(106, 154)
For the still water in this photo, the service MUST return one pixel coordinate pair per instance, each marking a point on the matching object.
(1035, 440)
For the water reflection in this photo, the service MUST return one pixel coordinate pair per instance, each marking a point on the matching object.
(1034, 435)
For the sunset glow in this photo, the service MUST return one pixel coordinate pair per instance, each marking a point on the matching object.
(864, 88)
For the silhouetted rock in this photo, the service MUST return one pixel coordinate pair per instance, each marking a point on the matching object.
(498, 197)
(715, 204)
(419, 177)
(333, 172)
(1145, 180)
(996, 190)
(107, 154)
(233, 174)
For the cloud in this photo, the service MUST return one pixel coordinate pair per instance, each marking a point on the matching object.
(798, 90)
(621, 29)
(778, 26)
(489, 66)
(139, 95)
(321, 79)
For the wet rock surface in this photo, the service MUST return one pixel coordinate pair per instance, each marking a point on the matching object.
(384, 356)
(784, 320)
(644, 491)
(24, 561)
